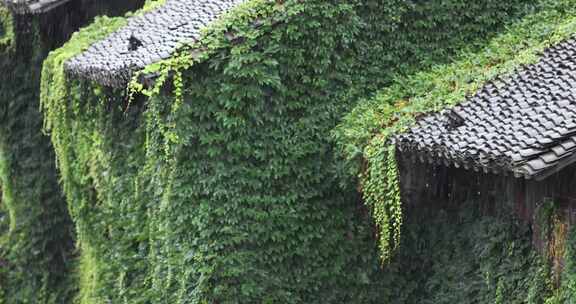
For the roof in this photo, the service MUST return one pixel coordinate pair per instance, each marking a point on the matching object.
(32, 6)
(146, 39)
(523, 124)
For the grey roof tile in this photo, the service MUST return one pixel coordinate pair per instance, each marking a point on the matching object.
(146, 39)
(524, 124)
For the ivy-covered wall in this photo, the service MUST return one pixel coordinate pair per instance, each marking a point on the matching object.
(36, 248)
(461, 254)
(220, 184)
(37, 254)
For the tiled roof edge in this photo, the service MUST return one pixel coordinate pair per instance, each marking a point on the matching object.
(117, 68)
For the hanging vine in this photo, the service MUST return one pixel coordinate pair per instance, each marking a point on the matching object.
(219, 183)
(368, 129)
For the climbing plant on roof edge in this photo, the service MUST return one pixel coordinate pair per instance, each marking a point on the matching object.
(366, 131)
(220, 184)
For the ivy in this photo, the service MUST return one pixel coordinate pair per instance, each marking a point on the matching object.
(55, 91)
(487, 258)
(37, 249)
(36, 240)
(386, 216)
(6, 30)
(559, 248)
(365, 130)
(220, 183)
(53, 67)
(569, 273)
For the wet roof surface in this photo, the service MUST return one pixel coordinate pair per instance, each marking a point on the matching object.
(524, 124)
(147, 39)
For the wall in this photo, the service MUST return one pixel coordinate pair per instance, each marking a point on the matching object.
(223, 186)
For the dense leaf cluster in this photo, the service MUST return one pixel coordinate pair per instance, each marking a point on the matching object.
(221, 184)
(36, 239)
(460, 254)
(36, 233)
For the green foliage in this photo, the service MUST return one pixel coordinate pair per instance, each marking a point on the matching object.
(549, 221)
(365, 131)
(37, 257)
(36, 240)
(388, 217)
(220, 184)
(57, 89)
(53, 76)
(569, 273)
(55, 86)
(6, 29)
(485, 259)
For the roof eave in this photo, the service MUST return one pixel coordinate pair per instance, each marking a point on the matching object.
(544, 174)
